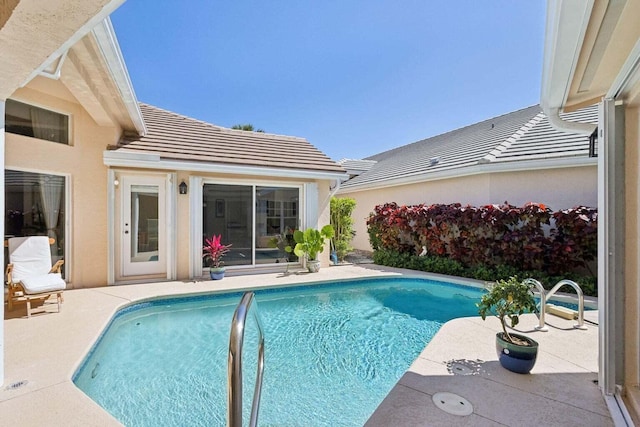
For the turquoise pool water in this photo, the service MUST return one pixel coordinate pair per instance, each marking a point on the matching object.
(332, 352)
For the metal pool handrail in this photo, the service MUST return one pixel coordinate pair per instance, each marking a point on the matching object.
(234, 370)
(545, 296)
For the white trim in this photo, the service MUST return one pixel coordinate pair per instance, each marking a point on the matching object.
(55, 75)
(618, 411)
(171, 227)
(196, 185)
(477, 169)
(110, 49)
(111, 230)
(628, 76)
(107, 9)
(566, 25)
(153, 161)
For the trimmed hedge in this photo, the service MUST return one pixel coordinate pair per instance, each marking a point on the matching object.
(489, 239)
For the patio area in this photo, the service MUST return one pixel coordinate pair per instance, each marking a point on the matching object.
(43, 352)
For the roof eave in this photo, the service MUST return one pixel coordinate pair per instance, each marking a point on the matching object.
(153, 161)
(477, 169)
(110, 49)
(567, 22)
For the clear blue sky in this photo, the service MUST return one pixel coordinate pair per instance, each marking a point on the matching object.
(355, 78)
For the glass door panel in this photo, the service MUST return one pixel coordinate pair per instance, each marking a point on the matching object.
(227, 210)
(277, 217)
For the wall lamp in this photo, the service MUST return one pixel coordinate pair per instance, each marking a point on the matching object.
(182, 187)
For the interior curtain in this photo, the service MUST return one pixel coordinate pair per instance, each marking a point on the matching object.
(45, 124)
(51, 187)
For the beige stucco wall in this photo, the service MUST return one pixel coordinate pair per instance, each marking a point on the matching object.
(558, 188)
(632, 251)
(82, 161)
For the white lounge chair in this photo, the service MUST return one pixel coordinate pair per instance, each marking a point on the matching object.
(30, 274)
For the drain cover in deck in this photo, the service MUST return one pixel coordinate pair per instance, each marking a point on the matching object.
(453, 404)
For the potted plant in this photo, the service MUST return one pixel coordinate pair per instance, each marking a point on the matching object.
(214, 251)
(509, 299)
(309, 243)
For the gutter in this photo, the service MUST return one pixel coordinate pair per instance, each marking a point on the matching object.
(155, 162)
(475, 169)
(567, 21)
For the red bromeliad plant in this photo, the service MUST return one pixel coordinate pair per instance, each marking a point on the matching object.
(214, 250)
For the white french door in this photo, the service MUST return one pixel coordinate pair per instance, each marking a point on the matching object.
(143, 225)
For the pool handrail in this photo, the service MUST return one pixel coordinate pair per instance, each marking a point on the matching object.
(234, 369)
(545, 296)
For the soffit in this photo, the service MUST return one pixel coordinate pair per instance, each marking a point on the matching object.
(32, 34)
(86, 75)
(611, 34)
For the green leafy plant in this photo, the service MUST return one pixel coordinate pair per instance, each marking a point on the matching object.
(310, 242)
(342, 222)
(214, 250)
(507, 299)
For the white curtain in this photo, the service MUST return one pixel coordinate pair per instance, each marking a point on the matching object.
(51, 187)
(46, 124)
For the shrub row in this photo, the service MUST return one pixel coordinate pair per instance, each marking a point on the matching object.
(527, 238)
(442, 265)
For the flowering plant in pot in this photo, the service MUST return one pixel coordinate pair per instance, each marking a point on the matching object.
(309, 243)
(508, 299)
(214, 250)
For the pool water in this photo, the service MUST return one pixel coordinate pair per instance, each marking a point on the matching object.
(332, 352)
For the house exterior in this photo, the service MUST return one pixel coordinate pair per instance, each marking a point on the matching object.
(517, 157)
(592, 55)
(102, 174)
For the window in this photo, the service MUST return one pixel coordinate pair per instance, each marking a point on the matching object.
(36, 122)
(229, 210)
(34, 206)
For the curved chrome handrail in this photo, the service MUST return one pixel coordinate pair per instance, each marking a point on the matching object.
(234, 370)
(576, 287)
(543, 303)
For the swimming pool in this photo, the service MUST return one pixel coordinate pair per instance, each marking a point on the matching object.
(333, 352)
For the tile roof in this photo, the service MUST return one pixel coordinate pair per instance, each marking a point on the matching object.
(179, 138)
(518, 136)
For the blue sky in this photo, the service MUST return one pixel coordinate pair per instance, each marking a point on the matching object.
(355, 78)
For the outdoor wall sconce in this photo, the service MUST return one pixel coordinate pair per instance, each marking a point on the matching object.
(183, 187)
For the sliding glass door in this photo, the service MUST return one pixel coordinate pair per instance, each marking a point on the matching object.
(258, 221)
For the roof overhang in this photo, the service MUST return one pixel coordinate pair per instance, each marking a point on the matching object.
(475, 169)
(580, 67)
(152, 161)
(33, 37)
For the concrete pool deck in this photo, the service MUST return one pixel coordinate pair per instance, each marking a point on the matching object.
(45, 351)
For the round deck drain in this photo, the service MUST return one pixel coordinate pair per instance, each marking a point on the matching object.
(453, 404)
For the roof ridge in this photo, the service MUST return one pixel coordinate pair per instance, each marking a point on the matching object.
(268, 135)
(454, 130)
(504, 145)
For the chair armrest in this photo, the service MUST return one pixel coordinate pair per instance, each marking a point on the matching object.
(8, 274)
(57, 266)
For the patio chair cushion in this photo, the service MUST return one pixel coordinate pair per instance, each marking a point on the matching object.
(43, 283)
(30, 256)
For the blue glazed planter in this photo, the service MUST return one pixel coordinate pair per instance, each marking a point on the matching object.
(216, 273)
(516, 358)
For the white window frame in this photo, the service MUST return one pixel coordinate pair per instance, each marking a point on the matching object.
(68, 232)
(196, 185)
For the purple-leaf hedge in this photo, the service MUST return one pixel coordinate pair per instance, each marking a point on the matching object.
(531, 237)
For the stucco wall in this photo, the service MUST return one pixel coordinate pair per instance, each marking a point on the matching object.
(558, 188)
(632, 293)
(87, 222)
